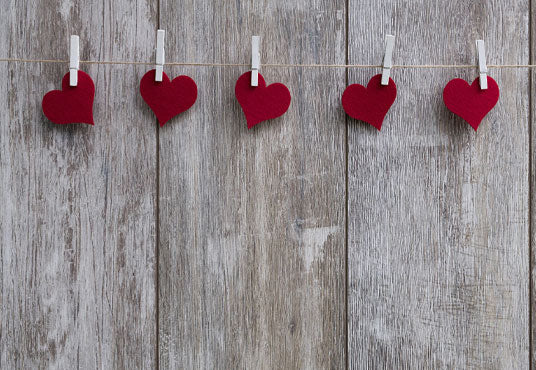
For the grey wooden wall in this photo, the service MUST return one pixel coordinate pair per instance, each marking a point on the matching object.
(311, 241)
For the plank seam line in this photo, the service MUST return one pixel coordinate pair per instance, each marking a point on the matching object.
(346, 259)
(531, 107)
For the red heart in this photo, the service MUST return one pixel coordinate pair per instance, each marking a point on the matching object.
(168, 98)
(261, 102)
(369, 104)
(71, 104)
(470, 102)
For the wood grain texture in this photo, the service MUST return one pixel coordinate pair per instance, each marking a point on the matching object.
(252, 223)
(78, 203)
(438, 214)
(532, 76)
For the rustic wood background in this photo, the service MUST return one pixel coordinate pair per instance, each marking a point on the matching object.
(311, 241)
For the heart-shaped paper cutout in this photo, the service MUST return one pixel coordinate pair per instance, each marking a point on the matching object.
(470, 102)
(168, 98)
(262, 102)
(369, 104)
(71, 104)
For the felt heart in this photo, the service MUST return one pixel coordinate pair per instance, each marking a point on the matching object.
(168, 98)
(262, 102)
(71, 104)
(371, 103)
(470, 102)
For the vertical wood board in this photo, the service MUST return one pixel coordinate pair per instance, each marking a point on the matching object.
(252, 222)
(438, 214)
(78, 221)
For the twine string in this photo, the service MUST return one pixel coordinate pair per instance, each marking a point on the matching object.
(126, 62)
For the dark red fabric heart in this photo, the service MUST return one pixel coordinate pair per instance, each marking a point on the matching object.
(470, 102)
(369, 104)
(262, 102)
(71, 104)
(168, 98)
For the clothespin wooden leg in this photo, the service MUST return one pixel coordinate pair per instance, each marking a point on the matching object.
(160, 55)
(74, 60)
(255, 60)
(482, 67)
(387, 59)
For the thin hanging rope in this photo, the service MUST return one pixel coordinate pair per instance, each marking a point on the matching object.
(408, 66)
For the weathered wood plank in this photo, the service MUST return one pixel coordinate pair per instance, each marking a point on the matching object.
(438, 214)
(532, 75)
(78, 203)
(252, 223)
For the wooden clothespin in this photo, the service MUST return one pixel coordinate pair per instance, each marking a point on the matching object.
(160, 57)
(388, 59)
(482, 67)
(74, 60)
(255, 60)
